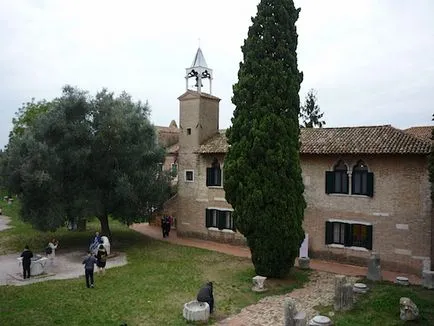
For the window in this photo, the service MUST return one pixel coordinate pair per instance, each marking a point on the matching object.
(221, 219)
(189, 175)
(214, 174)
(362, 180)
(174, 169)
(349, 234)
(337, 180)
(188, 131)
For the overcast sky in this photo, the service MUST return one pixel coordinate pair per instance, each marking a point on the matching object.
(372, 62)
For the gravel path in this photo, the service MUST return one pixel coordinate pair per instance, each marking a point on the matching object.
(4, 221)
(269, 310)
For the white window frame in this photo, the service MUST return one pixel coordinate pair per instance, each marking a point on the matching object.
(185, 175)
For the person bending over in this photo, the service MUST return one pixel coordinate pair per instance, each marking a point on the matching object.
(206, 295)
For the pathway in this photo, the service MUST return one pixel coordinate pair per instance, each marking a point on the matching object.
(240, 251)
(4, 222)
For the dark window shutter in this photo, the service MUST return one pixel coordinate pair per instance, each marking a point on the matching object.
(330, 182)
(348, 236)
(208, 218)
(370, 184)
(329, 233)
(218, 182)
(234, 228)
(345, 183)
(369, 237)
(221, 219)
(208, 177)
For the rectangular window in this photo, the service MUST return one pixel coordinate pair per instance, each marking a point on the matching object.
(213, 176)
(188, 131)
(189, 175)
(221, 219)
(338, 233)
(349, 234)
(362, 183)
(174, 169)
(336, 182)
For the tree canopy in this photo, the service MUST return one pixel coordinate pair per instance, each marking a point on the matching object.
(310, 112)
(85, 157)
(262, 170)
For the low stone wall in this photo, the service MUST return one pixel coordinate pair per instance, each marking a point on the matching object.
(414, 267)
(217, 236)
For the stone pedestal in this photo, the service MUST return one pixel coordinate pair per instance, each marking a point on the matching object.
(259, 283)
(291, 316)
(303, 262)
(401, 280)
(428, 279)
(360, 288)
(300, 319)
(320, 321)
(374, 267)
(196, 311)
(343, 299)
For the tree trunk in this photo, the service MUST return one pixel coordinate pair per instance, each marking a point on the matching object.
(105, 228)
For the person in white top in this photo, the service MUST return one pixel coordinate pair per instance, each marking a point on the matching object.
(53, 246)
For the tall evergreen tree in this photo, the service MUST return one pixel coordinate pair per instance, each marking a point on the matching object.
(310, 112)
(262, 170)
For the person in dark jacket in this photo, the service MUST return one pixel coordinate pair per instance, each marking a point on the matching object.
(205, 295)
(27, 260)
(89, 263)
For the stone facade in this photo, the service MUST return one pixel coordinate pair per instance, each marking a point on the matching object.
(399, 211)
(397, 214)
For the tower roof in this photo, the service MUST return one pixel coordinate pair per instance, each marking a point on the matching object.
(199, 60)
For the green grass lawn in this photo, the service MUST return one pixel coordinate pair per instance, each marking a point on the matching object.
(380, 306)
(150, 290)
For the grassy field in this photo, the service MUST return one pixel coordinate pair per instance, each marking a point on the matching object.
(150, 290)
(381, 306)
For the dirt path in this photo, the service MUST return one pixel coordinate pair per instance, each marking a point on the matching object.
(65, 266)
(4, 222)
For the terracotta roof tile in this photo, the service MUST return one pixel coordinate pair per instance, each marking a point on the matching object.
(345, 140)
(423, 132)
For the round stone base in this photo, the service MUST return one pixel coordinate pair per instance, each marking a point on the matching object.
(196, 311)
(401, 280)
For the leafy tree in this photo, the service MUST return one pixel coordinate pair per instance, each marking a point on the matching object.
(27, 114)
(89, 157)
(310, 112)
(50, 158)
(124, 165)
(262, 168)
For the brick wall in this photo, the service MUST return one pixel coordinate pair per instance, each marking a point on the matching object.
(399, 211)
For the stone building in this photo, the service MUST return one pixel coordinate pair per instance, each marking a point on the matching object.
(367, 188)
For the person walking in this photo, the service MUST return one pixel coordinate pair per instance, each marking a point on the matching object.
(206, 295)
(27, 260)
(51, 250)
(89, 263)
(101, 257)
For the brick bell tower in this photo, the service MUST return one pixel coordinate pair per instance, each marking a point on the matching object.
(198, 121)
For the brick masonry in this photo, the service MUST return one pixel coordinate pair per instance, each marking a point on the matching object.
(399, 211)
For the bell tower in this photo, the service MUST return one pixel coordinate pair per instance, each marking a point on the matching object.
(200, 71)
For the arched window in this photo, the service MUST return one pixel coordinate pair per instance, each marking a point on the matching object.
(337, 180)
(214, 174)
(362, 180)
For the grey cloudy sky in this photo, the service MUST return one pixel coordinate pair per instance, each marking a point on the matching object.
(371, 61)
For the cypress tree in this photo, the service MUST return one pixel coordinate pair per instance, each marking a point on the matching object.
(262, 170)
